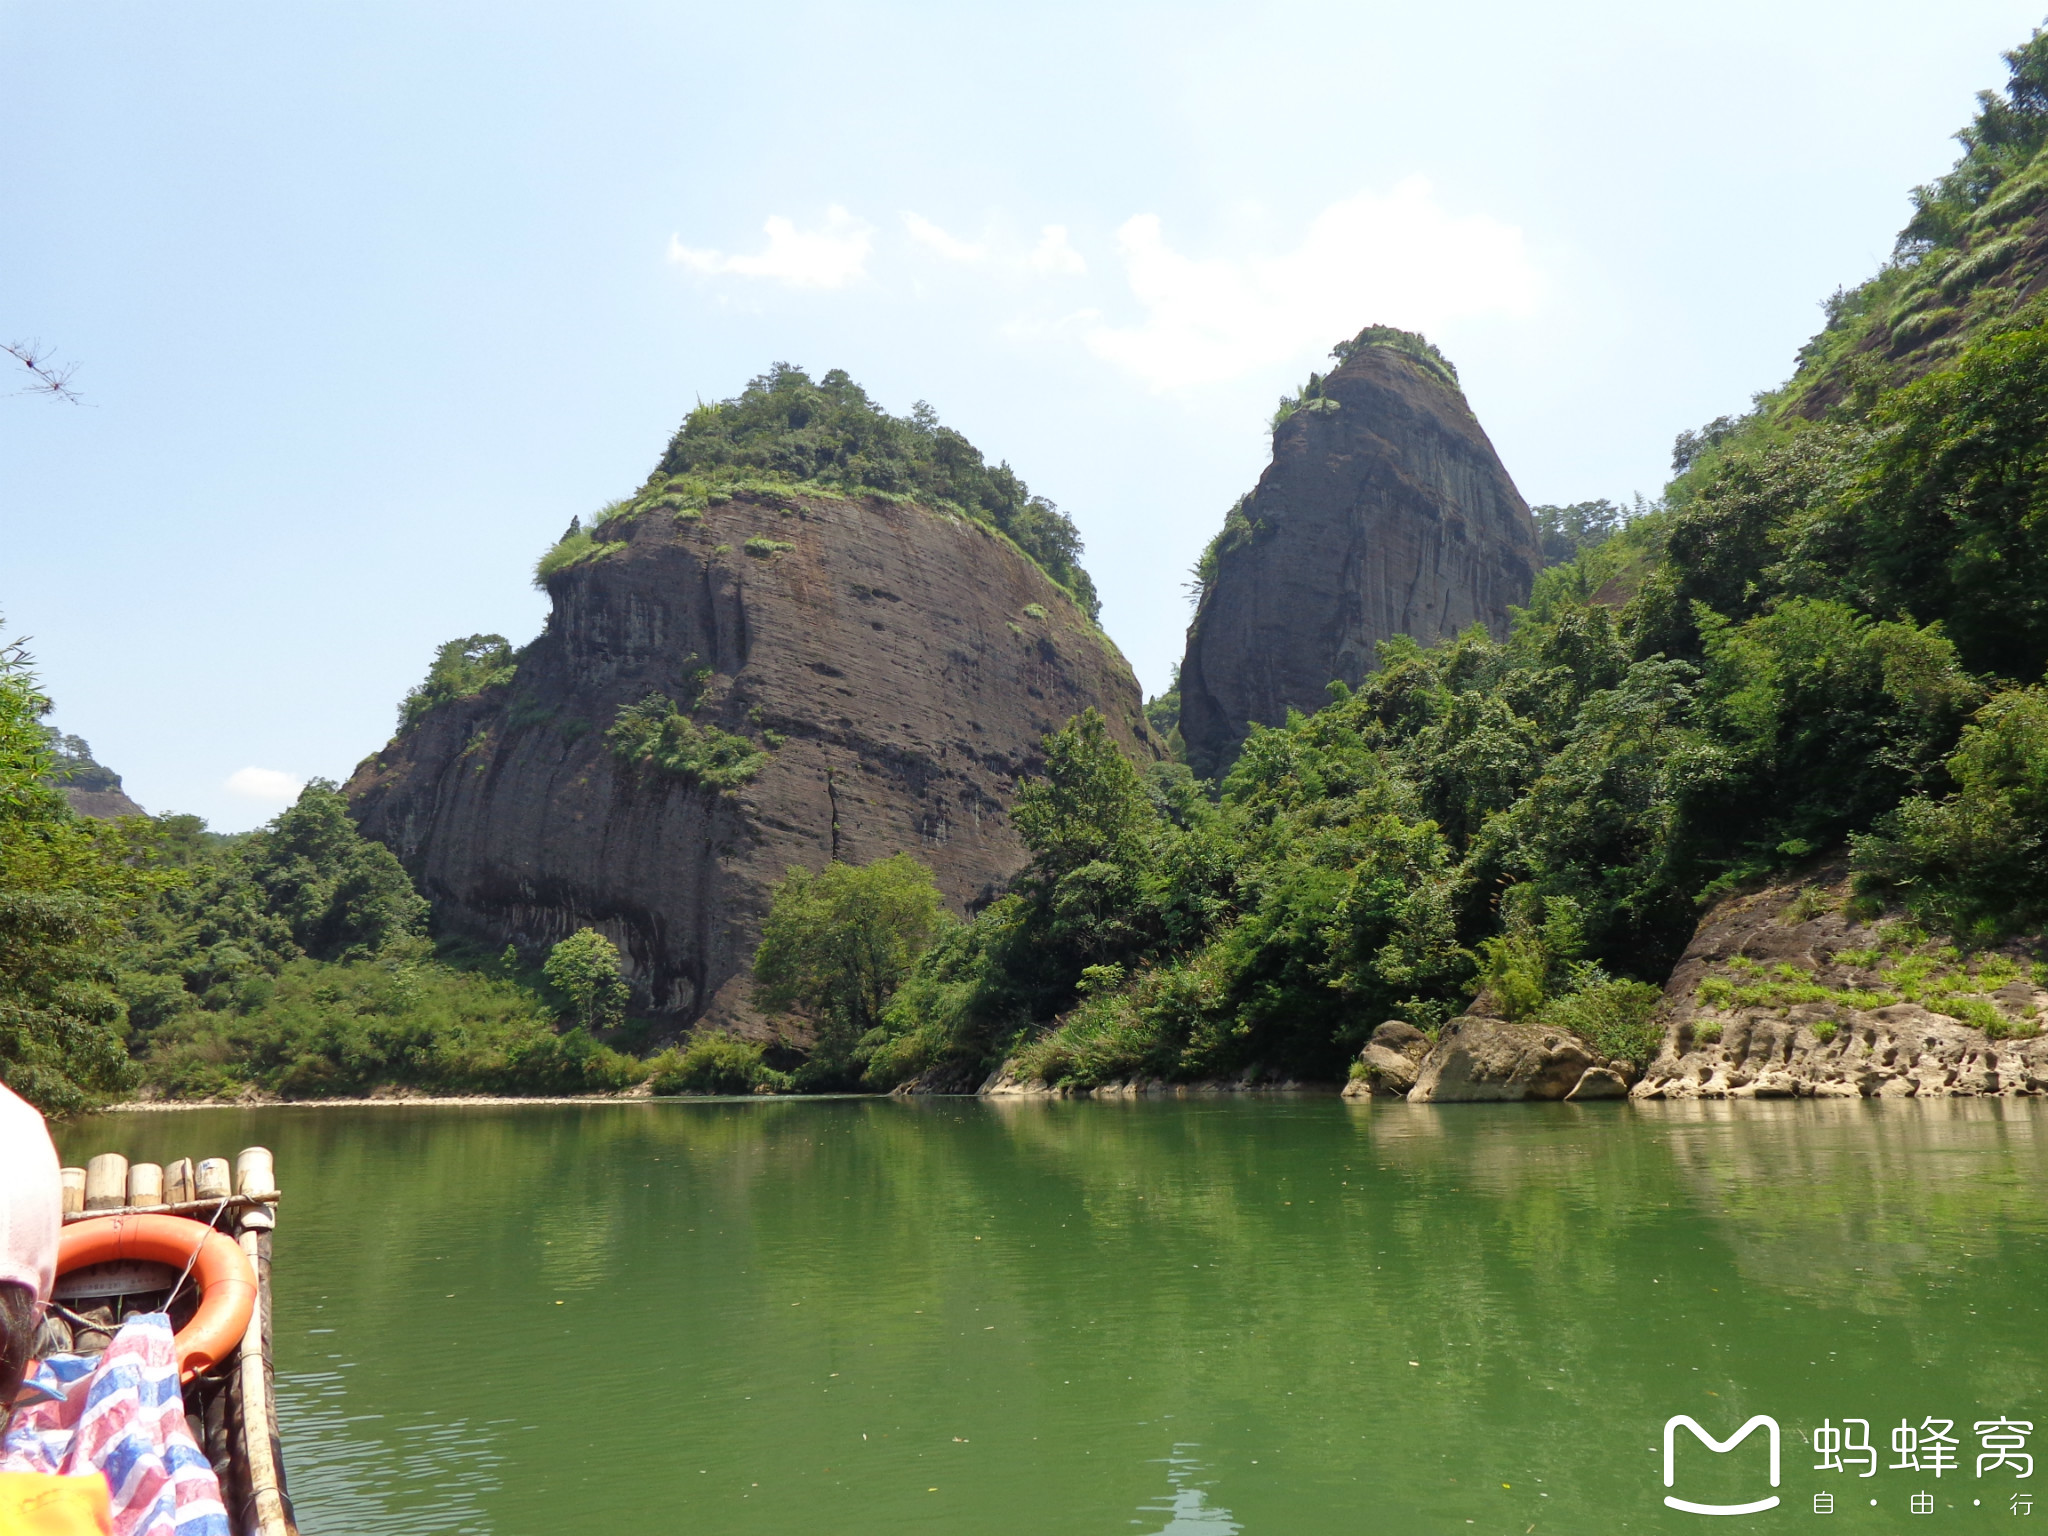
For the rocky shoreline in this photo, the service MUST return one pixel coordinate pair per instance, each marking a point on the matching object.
(1783, 993)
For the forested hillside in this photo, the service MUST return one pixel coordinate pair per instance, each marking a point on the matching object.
(149, 955)
(1832, 630)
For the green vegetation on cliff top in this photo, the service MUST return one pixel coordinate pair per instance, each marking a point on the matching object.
(461, 669)
(1239, 524)
(787, 432)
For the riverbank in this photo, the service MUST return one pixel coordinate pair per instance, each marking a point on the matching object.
(381, 1101)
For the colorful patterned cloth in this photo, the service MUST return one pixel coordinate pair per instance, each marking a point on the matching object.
(120, 1414)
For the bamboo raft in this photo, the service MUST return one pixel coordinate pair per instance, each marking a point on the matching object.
(232, 1409)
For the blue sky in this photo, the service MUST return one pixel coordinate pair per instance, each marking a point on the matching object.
(366, 301)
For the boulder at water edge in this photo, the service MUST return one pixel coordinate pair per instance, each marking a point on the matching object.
(1478, 1060)
(1390, 1063)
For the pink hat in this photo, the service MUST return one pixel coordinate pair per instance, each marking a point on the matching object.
(31, 1197)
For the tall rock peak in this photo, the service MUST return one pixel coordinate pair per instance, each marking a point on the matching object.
(1385, 511)
(752, 664)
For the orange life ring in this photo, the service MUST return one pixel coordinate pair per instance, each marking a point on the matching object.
(227, 1285)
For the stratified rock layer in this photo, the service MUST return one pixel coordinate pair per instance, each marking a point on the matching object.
(1838, 1028)
(1388, 514)
(907, 661)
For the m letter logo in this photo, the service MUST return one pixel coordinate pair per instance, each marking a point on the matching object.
(1671, 1463)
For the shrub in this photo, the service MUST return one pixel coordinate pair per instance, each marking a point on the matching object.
(764, 548)
(1617, 1016)
(1810, 902)
(461, 669)
(656, 734)
(714, 1063)
(585, 969)
(1976, 861)
(1530, 959)
(1108, 1037)
(578, 546)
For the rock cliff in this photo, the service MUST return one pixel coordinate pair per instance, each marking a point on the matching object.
(1384, 512)
(896, 664)
(90, 787)
(1785, 993)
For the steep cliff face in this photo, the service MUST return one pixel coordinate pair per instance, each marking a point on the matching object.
(1384, 512)
(897, 664)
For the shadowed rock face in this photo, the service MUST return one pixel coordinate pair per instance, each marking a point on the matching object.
(890, 648)
(1388, 515)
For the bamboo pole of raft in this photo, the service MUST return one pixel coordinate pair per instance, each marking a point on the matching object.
(270, 1514)
(210, 1181)
(145, 1185)
(198, 1209)
(106, 1182)
(239, 1429)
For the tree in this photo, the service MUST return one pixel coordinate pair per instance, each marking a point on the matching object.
(1564, 531)
(461, 669)
(66, 884)
(1090, 825)
(585, 967)
(345, 897)
(837, 945)
(1976, 861)
(1090, 806)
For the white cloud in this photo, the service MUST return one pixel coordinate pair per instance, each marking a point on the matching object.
(1054, 254)
(828, 257)
(925, 232)
(269, 785)
(1398, 259)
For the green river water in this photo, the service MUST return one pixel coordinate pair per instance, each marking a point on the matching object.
(1281, 1318)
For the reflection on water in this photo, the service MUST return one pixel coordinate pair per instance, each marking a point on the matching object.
(1187, 1508)
(966, 1318)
